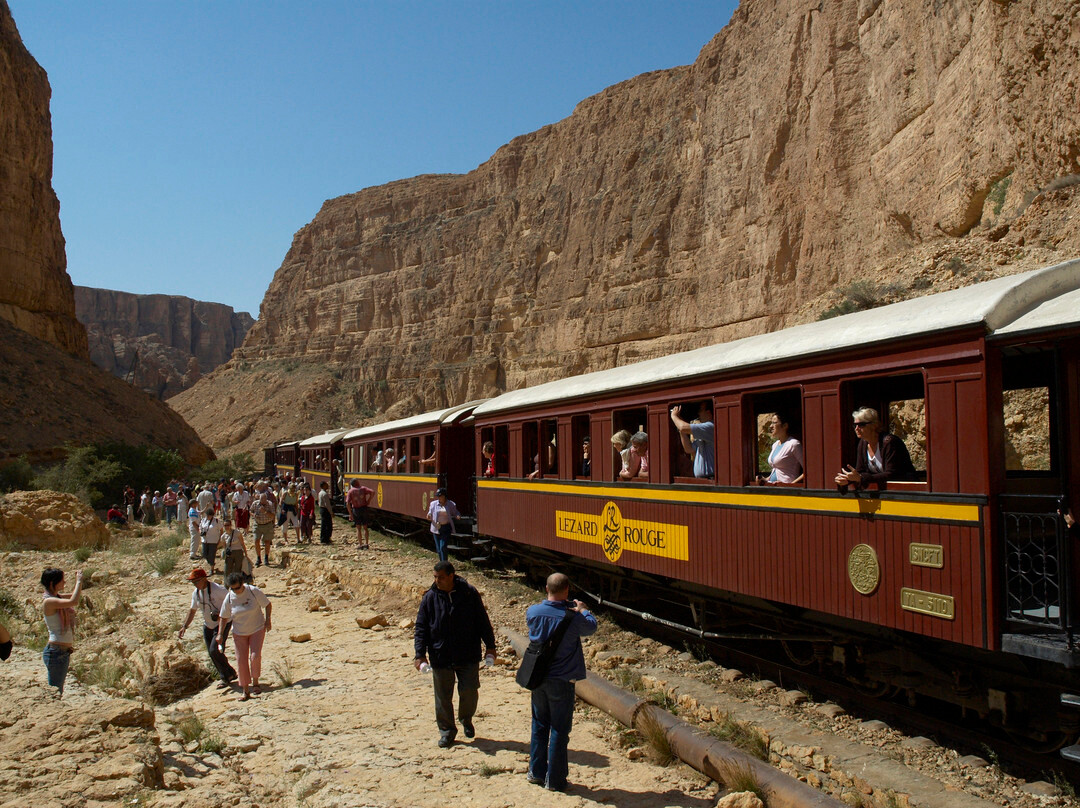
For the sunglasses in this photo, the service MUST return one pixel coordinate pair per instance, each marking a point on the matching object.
(237, 588)
(861, 423)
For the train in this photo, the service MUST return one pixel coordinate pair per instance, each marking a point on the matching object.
(956, 584)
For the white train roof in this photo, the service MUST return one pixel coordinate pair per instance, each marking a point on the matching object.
(1053, 313)
(994, 304)
(449, 415)
(326, 437)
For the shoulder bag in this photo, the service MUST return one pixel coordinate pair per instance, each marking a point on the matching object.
(538, 657)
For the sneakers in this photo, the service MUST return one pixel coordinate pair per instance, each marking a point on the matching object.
(470, 730)
(535, 781)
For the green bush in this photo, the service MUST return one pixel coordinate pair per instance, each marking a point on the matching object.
(863, 295)
(237, 466)
(16, 475)
(83, 553)
(83, 473)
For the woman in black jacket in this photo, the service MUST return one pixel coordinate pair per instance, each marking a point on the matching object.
(880, 457)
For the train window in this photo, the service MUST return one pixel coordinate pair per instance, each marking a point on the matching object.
(402, 459)
(900, 402)
(376, 452)
(582, 448)
(1028, 412)
(692, 446)
(629, 422)
(776, 419)
(549, 449)
(414, 455)
(427, 454)
(530, 446)
(502, 451)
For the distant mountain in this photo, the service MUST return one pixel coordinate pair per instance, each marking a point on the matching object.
(168, 340)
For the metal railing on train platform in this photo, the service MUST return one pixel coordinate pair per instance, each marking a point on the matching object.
(1038, 564)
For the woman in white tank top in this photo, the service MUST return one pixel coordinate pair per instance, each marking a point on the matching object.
(59, 609)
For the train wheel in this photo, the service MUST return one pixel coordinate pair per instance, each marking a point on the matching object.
(800, 652)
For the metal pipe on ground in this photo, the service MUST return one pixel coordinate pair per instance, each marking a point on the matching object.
(708, 755)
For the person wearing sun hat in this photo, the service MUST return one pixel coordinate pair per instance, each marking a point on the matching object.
(208, 596)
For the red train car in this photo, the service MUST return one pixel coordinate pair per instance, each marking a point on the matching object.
(287, 459)
(405, 461)
(954, 583)
(321, 459)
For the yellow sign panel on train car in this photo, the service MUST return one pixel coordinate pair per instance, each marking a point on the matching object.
(617, 535)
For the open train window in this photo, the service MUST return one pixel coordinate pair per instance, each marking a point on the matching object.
(502, 451)
(1029, 413)
(376, 453)
(582, 448)
(693, 441)
(427, 455)
(626, 423)
(775, 437)
(900, 402)
(414, 455)
(530, 445)
(548, 454)
(401, 461)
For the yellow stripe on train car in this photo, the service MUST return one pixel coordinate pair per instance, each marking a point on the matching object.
(911, 509)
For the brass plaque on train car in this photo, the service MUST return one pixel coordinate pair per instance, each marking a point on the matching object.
(931, 603)
(617, 535)
(926, 555)
(863, 569)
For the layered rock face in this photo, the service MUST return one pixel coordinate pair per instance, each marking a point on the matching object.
(50, 393)
(35, 290)
(809, 145)
(176, 339)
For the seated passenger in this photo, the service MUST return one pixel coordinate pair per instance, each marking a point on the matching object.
(488, 450)
(637, 466)
(697, 438)
(376, 464)
(880, 457)
(785, 458)
(586, 457)
(621, 441)
(388, 459)
(549, 463)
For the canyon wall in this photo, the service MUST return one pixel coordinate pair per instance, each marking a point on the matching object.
(175, 339)
(50, 392)
(808, 146)
(35, 290)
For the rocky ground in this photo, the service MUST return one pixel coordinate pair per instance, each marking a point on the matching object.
(347, 721)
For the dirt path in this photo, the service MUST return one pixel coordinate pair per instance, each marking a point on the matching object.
(357, 725)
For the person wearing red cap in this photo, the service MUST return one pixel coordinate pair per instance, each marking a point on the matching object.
(208, 596)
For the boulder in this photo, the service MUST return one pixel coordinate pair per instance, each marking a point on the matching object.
(371, 619)
(49, 520)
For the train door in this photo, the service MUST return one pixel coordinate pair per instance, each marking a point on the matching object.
(1037, 443)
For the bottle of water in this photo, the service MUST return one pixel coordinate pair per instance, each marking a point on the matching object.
(425, 668)
(489, 661)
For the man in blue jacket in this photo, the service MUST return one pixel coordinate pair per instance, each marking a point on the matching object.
(553, 701)
(451, 624)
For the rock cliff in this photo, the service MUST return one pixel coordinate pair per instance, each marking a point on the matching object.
(50, 393)
(176, 338)
(808, 146)
(35, 290)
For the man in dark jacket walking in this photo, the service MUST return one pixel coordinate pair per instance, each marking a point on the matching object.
(451, 624)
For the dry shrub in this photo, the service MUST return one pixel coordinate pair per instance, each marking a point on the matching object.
(740, 735)
(739, 778)
(185, 678)
(661, 752)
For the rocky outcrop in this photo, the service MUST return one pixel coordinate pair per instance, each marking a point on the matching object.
(50, 520)
(50, 393)
(35, 290)
(169, 340)
(808, 146)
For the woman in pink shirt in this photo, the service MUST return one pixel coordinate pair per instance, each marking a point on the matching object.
(637, 466)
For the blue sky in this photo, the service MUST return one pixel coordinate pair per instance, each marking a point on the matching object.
(193, 139)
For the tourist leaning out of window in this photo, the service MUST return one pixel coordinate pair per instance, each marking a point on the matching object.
(880, 456)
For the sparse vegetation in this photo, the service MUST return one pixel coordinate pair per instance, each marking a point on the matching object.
(83, 553)
(864, 295)
(660, 749)
(1067, 789)
(212, 744)
(104, 671)
(98, 472)
(488, 770)
(998, 191)
(160, 629)
(741, 735)
(236, 466)
(738, 778)
(162, 563)
(283, 671)
(16, 475)
(191, 728)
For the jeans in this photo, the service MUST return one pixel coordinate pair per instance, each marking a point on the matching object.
(468, 683)
(442, 538)
(170, 514)
(221, 662)
(552, 717)
(57, 661)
